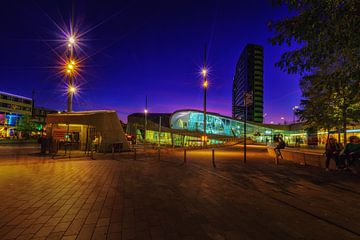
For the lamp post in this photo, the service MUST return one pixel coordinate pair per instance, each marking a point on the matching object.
(295, 108)
(70, 68)
(283, 120)
(248, 100)
(145, 115)
(205, 86)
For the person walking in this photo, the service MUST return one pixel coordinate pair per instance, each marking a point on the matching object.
(332, 151)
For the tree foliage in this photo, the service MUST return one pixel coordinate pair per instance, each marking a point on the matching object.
(26, 126)
(328, 59)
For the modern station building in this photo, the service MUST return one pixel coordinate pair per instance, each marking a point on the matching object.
(185, 128)
(249, 79)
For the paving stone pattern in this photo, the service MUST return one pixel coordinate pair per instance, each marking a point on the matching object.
(152, 199)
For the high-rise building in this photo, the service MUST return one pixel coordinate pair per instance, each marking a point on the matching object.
(249, 79)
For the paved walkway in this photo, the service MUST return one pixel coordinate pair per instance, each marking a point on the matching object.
(152, 199)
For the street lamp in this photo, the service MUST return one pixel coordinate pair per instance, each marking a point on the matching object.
(71, 40)
(70, 66)
(72, 89)
(283, 119)
(205, 86)
(145, 115)
(295, 108)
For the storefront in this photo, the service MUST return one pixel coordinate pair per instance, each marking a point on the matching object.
(80, 130)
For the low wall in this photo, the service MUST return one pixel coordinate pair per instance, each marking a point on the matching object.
(302, 157)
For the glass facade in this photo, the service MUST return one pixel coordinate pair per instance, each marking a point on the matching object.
(218, 125)
(225, 126)
(187, 127)
(249, 78)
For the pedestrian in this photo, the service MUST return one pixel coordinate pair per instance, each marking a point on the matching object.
(280, 145)
(332, 151)
(352, 151)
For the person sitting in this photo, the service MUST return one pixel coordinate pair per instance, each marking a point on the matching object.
(352, 151)
(332, 151)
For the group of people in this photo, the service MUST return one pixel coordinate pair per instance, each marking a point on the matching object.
(345, 157)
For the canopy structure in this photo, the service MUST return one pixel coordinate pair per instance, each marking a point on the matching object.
(106, 123)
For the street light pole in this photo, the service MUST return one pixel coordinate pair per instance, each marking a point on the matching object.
(294, 112)
(71, 42)
(145, 113)
(159, 131)
(205, 85)
(245, 117)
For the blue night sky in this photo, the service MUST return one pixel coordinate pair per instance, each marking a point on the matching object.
(139, 48)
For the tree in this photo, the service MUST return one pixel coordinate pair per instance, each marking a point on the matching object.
(26, 126)
(328, 58)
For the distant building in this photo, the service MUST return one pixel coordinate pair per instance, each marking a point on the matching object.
(249, 78)
(12, 108)
(39, 114)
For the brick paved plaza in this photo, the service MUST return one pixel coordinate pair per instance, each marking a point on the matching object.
(150, 199)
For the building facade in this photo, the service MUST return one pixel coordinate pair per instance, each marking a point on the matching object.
(12, 108)
(185, 128)
(249, 79)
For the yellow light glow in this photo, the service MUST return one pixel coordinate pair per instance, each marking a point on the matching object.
(71, 40)
(204, 72)
(72, 89)
(205, 84)
(70, 66)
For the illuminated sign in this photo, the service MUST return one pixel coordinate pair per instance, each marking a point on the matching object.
(11, 119)
(2, 119)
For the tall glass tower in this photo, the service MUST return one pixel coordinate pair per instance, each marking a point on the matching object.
(249, 79)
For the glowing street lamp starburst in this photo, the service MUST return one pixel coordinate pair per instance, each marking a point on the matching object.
(72, 40)
(71, 66)
(72, 89)
(204, 72)
(205, 84)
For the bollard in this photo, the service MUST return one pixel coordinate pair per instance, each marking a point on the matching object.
(134, 153)
(184, 156)
(213, 158)
(159, 154)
